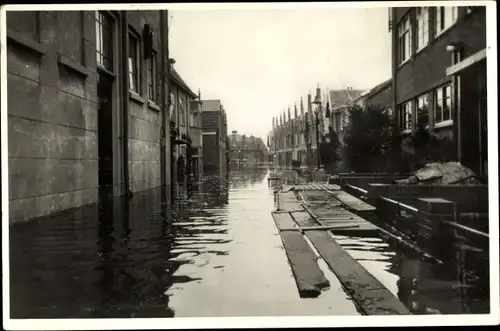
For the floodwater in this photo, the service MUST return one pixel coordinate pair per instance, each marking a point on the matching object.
(424, 286)
(216, 252)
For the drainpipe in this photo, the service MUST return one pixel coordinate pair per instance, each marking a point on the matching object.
(395, 113)
(164, 109)
(125, 100)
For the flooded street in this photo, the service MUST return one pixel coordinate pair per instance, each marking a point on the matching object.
(216, 252)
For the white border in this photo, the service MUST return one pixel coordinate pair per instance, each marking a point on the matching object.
(261, 322)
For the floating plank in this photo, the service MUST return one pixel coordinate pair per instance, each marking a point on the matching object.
(351, 202)
(338, 216)
(366, 290)
(288, 201)
(283, 220)
(308, 276)
(319, 227)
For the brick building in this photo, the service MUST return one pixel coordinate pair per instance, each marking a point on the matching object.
(215, 138)
(439, 76)
(295, 139)
(86, 106)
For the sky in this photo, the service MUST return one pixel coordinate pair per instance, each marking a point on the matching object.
(260, 62)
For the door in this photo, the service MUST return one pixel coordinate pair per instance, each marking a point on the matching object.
(104, 136)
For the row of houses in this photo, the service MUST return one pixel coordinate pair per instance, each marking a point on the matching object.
(438, 82)
(296, 139)
(96, 109)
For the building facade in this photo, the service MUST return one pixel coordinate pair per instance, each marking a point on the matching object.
(295, 139)
(185, 108)
(86, 107)
(439, 76)
(196, 135)
(215, 139)
(245, 150)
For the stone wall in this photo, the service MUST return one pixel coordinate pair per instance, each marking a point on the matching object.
(144, 123)
(52, 112)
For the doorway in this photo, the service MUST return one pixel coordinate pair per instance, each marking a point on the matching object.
(104, 136)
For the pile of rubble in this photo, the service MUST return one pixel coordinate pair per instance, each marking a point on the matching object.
(449, 173)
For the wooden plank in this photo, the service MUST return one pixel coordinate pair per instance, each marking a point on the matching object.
(321, 227)
(288, 202)
(366, 290)
(283, 220)
(351, 202)
(309, 278)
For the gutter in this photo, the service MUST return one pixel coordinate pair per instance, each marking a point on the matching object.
(125, 102)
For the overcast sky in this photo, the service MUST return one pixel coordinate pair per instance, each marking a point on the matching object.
(258, 62)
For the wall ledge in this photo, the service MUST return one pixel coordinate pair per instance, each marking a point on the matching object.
(74, 66)
(26, 43)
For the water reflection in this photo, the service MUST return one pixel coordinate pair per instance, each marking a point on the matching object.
(458, 286)
(116, 259)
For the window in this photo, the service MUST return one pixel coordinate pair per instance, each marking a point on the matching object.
(173, 103)
(423, 111)
(445, 17)
(104, 40)
(422, 27)
(182, 114)
(151, 79)
(442, 109)
(404, 40)
(133, 63)
(405, 116)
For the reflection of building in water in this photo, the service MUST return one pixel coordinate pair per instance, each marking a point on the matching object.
(449, 288)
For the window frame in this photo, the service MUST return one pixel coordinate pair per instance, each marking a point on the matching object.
(404, 34)
(424, 96)
(133, 36)
(405, 122)
(437, 100)
(151, 78)
(182, 107)
(423, 27)
(100, 52)
(440, 19)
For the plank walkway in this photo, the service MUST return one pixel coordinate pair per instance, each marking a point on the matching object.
(308, 276)
(318, 214)
(328, 211)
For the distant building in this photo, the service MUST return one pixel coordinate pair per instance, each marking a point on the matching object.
(439, 76)
(215, 139)
(341, 102)
(247, 149)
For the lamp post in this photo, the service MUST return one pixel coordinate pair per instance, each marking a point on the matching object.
(317, 102)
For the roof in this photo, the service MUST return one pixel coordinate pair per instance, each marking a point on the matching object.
(177, 79)
(380, 87)
(210, 105)
(343, 97)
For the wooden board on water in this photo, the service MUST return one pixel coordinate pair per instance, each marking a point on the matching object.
(288, 201)
(308, 276)
(366, 290)
(351, 202)
(363, 287)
